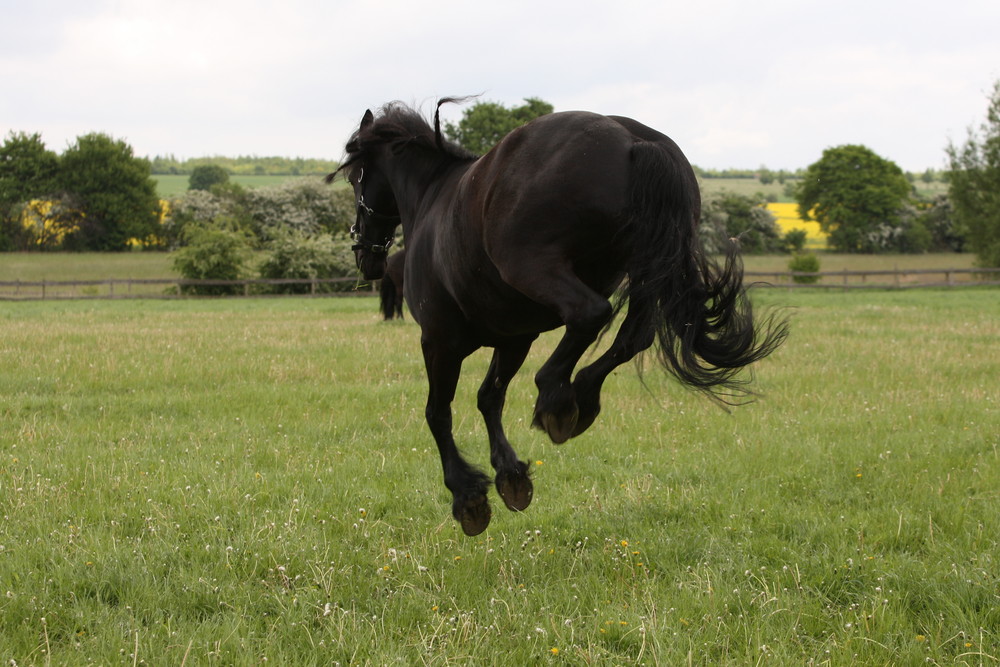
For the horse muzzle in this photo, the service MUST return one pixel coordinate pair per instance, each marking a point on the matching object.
(371, 264)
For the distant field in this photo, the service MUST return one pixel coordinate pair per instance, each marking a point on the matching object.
(172, 185)
(85, 265)
(743, 186)
(752, 186)
(787, 218)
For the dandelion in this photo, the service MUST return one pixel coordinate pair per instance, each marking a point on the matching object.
(538, 463)
(624, 543)
(921, 639)
(554, 651)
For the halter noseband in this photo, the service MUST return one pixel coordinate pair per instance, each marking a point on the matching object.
(357, 234)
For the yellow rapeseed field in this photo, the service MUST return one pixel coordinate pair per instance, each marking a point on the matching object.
(787, 214)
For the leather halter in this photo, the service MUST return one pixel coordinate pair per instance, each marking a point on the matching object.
(364, 210)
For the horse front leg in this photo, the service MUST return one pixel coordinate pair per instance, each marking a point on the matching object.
(512, 481)
(467, 484)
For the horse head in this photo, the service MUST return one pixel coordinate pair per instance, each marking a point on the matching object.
(377, 214)
(400, 146)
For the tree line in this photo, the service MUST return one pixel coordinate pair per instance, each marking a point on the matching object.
(98, 195)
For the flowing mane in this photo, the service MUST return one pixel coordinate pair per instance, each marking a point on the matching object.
(399, 127)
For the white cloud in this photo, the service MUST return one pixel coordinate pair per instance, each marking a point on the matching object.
(735, 84)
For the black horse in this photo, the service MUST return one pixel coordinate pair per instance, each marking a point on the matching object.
(540, 233)
(391, 290)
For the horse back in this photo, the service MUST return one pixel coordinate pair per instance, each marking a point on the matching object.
(551, 196)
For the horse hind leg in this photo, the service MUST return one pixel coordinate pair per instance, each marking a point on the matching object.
(634, 337)
(557, 411)
(512, 481)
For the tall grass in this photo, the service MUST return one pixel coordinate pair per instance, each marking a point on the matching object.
(229, 482)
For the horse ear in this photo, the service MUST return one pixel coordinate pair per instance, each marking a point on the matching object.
(368, 119)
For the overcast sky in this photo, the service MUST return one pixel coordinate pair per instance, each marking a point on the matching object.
(735, 83)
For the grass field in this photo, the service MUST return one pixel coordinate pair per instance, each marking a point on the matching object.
(174, 185)
(229, 482)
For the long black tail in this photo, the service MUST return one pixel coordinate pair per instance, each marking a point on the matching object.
(388, 297)
(699, 310)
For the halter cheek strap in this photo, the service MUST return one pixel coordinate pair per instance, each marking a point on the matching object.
(357, 234)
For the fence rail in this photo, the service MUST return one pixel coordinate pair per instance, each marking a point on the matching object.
(173, 288)
(879, 278)
(178, 288)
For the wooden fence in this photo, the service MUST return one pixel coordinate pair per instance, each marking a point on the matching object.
(878, 278)
(177, 288)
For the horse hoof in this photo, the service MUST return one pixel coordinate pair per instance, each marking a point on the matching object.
(584, 422)
(515, 488)
(473, 514)
(559, 427)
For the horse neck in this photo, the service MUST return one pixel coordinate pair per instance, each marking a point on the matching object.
(417, 180)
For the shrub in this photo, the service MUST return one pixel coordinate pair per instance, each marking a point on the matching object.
(204, 176)
(728, 215)
(295, 254)
(804, 262)
(305, 205)
(795, 240)
(213, 254)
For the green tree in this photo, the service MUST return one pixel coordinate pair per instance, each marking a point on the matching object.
(486, 123)
(113, 189)
(28, 171)
(296, 254)
(856, 197)
(204, 176)
(974, 185)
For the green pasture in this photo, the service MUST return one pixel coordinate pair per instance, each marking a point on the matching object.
(229, 482)
(174, 185)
